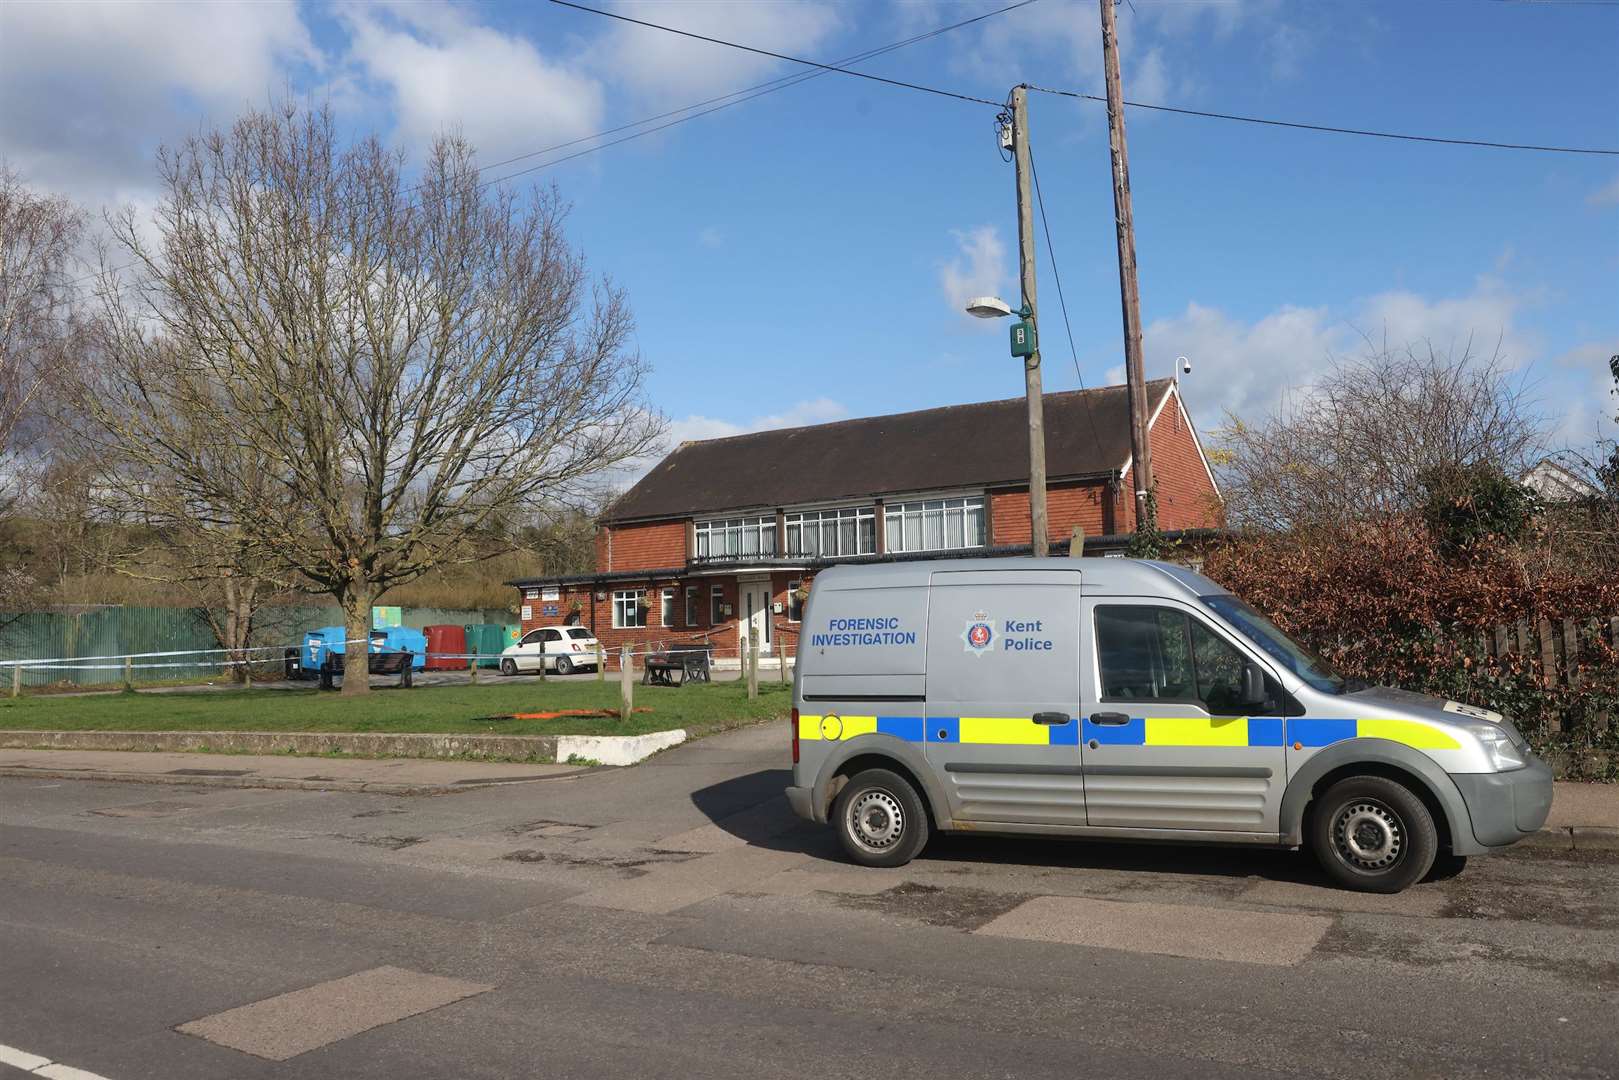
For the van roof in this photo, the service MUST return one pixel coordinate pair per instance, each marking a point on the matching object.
(1122, 577)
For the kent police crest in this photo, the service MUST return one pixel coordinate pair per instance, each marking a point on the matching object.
(979, 634)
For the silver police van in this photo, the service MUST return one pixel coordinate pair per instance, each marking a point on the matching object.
(1125, 699)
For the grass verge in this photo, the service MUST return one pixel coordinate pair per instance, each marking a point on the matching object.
(700, 709)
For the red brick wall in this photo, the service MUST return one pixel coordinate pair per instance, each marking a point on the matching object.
(1067, 505)
(1186, 497)
(653, 545)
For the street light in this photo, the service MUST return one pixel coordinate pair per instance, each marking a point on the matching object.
(1025, 340)
(1026, 343)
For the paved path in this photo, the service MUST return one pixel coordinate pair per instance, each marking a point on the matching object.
(674, 920)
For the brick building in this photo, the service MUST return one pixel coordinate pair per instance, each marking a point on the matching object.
(715, 541)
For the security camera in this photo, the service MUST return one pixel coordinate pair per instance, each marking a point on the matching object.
(1186, 365)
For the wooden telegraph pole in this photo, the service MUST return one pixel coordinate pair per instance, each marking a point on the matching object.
(1031, 363)
(1130, 297)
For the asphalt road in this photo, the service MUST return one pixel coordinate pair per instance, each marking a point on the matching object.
(673, 920)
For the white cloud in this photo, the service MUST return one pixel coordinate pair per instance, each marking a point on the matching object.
(656, 63)
(443, 72)
(815, 411)
(87, 89)
(979, 268)
(1607, 195)
(1245, 368)
(1589, 413)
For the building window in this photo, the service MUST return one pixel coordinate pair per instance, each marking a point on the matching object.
(627, 609)
(850, 530)
(736, 538)
(691, 605)
(666, 612)
(936, 524)
(716, 605)
(795, 606)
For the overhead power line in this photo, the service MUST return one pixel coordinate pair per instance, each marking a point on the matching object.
(1062, 301)
(776, 55)
(1331, 129)
(715, 104)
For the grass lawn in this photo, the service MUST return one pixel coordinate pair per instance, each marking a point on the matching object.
(700, 709)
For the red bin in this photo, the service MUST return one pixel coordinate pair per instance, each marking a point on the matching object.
(446, 648)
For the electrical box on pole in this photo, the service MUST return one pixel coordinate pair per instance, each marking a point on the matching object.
(1025, 339)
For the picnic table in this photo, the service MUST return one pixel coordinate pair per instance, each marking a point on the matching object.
(677, 665)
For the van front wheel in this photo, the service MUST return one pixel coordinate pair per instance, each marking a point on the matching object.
(880, 819)
(1373, 834)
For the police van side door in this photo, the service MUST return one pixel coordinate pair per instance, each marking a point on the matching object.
(1002, 721)
(1168, 741)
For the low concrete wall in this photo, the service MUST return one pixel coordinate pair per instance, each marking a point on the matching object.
(617, 749)
(508, 747)
(607, 749)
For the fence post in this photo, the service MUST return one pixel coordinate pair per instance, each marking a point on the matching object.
(473, 668)
(781, 657)
(753, 666)
(1503, 644)
(601, 662)
(542, 661)
(626, 682)
(1571, 653)
(16, 680)
(129, 674)
(1548, 655)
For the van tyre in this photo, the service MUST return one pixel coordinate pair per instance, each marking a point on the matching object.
(508, 666)
(1373, 834)
(880, 819)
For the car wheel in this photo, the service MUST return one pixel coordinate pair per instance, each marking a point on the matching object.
(564, 666)
(1373, 834)
(508, 666)
(880, 819)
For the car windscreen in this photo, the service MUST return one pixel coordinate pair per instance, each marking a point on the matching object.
(579, 633)
(1275, 644)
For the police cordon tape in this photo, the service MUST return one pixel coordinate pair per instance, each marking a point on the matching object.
(75, 663)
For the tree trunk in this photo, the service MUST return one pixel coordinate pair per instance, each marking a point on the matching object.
(357, 649)
(233, 630)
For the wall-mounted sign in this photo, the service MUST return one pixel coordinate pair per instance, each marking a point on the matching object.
(531, 594)
(551, 592)
(528, 613)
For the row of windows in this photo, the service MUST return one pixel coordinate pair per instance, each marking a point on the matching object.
(631, 606)
(923, 525)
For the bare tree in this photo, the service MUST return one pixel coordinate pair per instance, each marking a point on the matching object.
(401, 368)
(1357, 443)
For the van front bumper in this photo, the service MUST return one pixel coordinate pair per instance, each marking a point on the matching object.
(802, 800)
(1505, 807)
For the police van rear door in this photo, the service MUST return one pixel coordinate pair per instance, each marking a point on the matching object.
(1002, 731)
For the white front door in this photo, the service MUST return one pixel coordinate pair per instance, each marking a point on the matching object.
(753, 618)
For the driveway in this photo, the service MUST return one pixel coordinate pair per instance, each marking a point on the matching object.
(673, 919)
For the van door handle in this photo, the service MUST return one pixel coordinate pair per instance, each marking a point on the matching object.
(1109, 719)
(1053, 718)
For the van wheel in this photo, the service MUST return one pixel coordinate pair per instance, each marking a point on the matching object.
(508, 667)
(564, 666)
(1372, 834)
(880, 819)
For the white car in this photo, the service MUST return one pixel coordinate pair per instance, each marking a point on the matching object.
(562, 649)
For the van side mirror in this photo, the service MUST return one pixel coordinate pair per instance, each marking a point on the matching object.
(1253, 686)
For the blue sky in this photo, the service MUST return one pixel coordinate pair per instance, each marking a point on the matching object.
(803, 256)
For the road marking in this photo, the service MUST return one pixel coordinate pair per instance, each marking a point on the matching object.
(43, 1066)
(1199, 933)
(21, 1059)
(294, 1023)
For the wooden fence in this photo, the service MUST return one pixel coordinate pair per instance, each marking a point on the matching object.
(1555, 646)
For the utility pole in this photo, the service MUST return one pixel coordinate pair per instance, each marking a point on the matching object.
(1031, 363)
(1129, 296)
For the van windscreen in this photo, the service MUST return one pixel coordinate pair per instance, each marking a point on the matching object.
(1278, 646)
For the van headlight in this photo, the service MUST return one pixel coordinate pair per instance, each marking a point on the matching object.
(1503, 752)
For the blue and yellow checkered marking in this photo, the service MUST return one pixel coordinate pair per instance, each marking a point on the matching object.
(1241, 731)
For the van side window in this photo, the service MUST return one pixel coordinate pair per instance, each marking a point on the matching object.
(1162, 654)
